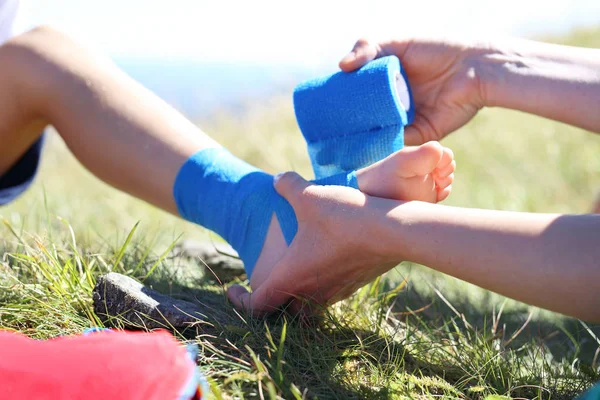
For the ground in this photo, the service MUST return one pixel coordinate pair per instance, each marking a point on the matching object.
(413, 334)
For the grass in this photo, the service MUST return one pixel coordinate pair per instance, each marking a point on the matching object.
(412, 334)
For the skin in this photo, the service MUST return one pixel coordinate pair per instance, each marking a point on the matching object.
(124, 134)
(536, 258)
(596, 205)
(541, 259)
(452, 80)
(118, 129)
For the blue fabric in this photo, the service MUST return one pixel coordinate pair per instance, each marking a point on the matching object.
(92, 330)
(196, 383)
(343, 179)
(16, 180)
(351, 120)
(219, 191)
(592, 394)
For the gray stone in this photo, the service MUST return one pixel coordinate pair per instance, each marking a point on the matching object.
(121, 299)
(219, 260)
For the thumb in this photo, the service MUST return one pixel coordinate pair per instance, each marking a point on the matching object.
(290, 186)
(365, 51)
(362, 52)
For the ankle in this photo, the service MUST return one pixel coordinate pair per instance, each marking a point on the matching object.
(234, 199)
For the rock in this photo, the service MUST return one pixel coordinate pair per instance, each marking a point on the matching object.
(119, 298)
(219, 261)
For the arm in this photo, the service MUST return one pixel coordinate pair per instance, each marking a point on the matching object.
(556, 82)
(551, 261)
(452, 80)
(547, 260)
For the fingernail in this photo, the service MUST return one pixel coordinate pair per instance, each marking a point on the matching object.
(349, 57)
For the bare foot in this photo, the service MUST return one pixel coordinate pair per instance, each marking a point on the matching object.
(423, 173)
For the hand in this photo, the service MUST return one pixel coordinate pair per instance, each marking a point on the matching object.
(332, 255)
(443, 76)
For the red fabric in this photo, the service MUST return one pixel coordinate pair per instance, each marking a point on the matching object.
(103, 365)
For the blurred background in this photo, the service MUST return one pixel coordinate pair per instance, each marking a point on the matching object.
(201, 55)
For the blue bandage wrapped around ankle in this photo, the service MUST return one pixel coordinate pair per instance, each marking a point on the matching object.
(219, 191)
(351, 120)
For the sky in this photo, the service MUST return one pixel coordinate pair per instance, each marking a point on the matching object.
(306, 33)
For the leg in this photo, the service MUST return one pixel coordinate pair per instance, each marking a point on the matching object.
(134, 141)
(115, 127)
(423, 173)
(131, 139)
(20, 132)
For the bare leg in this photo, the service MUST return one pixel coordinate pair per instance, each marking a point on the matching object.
(134, 141)
(115, 127)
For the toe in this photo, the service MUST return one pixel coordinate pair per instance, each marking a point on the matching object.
(431, 150)
(446, 171)
(446, 159)
(418, 160)
(442, 183)
(444, 193)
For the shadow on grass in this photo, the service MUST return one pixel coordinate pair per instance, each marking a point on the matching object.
(324, 360)
(337, 358)
(563, 337)
(565, 350)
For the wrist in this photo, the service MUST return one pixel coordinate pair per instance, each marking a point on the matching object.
(389, 224)
(541, 78)
(510, 71)
(493, 65)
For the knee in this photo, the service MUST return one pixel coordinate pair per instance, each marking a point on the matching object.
(42, 31)
(30, 61)
(37, 42)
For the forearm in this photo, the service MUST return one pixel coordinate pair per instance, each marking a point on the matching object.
(552, 81)
(550, 261)
(120, 131)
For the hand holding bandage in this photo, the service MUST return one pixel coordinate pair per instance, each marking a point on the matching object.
(351, 120)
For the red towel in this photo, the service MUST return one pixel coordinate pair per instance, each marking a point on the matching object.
(103, 365)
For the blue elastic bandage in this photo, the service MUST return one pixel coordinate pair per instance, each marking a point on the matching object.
(591, 394)
(219, 191)
(351, 120)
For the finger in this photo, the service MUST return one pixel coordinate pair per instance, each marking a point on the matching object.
(365, 51)
(306, 312)
(266, 299)
(294, 307)
(442, 183)
(420, 131)
(416, 134)
(235, 294)
(447, 170)
(290, 185)
(362, 52)
(444, 193)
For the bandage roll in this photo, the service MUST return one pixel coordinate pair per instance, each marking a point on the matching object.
(350, 120)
